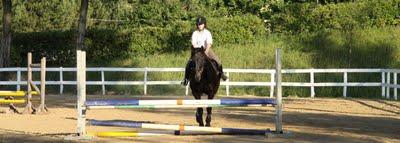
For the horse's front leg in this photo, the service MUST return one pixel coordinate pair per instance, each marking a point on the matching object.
(199, 116)
(199, 112)
(208, 118)
(209, 112)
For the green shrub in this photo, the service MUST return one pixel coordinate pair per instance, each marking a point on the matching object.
(57, 46)
(303, 17)
(237, 29)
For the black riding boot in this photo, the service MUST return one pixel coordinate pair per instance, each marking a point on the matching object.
(223, 76)
(186, 78)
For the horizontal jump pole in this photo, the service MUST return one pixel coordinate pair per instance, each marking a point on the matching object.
(122, 102)
(8, 101)
(126, 134)
(142, 133)
(169, 106)
(131, 124)
(16, 93)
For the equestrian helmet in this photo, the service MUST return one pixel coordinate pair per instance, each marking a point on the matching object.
(201, 20)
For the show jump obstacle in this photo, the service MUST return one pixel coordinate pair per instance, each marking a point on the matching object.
(14, 97)
(83, 105)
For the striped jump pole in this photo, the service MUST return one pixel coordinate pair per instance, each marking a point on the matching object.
(131, 124)
(216, 102)
(169, 106)
(128, 134)
(143, 133)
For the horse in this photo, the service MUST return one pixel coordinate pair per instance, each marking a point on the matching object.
(204, 78)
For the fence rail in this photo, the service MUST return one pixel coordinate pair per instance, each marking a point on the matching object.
(388, 78)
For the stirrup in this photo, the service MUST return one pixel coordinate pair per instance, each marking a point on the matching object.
(185, 82)
(224, 77)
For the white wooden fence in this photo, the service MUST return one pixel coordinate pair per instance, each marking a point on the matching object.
(387, 82)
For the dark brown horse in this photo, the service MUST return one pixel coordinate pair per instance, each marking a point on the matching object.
(204, 79)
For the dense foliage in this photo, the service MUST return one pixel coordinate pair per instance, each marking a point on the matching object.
(121, 28)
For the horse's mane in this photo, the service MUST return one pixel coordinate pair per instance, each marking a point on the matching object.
(196, 52)
(200, 58)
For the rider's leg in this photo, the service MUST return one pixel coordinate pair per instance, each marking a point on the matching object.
(223, 76)
(186, 77)
(214, 57)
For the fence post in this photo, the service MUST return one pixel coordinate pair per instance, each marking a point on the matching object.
(345, 85)
(42, 107)
(103, 86)
(278, 107)
(312, 83)
(395, 83)
(227, 84)
(61, 80)
(29, 84)
(388, 85)
(81, 91)
(145, 81)
(19, 79)
(271, 88)
(383, 84)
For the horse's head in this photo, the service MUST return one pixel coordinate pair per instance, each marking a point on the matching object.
(199, 58)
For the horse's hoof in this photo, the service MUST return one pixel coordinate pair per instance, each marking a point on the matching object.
(201, 125)
(208, 125)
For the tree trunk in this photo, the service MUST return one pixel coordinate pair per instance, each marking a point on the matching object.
(82, 25)
(6, 39)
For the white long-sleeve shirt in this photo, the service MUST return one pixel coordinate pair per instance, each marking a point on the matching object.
(201, 38)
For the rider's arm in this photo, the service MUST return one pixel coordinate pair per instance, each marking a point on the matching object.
(208, 46)
(209, 41)
(193, 41)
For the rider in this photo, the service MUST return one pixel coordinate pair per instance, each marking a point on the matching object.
(202, 38)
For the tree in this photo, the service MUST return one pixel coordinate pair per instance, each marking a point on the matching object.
(6, 39)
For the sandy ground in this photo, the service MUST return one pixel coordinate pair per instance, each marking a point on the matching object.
(308, 120)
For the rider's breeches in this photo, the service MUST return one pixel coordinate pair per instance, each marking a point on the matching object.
(210, 53)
